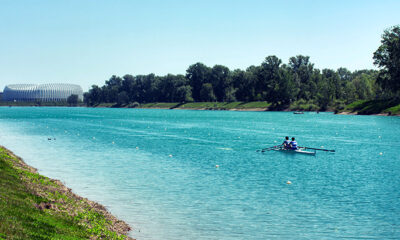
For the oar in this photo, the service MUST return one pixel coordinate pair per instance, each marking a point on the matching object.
(320, 149)
(266, 149)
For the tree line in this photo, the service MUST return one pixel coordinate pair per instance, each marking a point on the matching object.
(281, 84)
(272, 81)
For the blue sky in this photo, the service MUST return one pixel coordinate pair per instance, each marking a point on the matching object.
(87, 41)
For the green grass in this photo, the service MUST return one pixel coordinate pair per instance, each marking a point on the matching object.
(208, 105)
(391, 106)
(22, 191)
(225, 105)
(393, 110)
(261, 104)
(159, 105)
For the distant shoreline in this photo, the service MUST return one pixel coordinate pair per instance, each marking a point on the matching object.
(214, 106)
(251, 110)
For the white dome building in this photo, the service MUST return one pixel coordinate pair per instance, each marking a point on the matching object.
(53, 92)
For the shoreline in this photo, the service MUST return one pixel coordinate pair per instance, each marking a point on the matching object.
(377, 114)
(61, 200)
(226, 109)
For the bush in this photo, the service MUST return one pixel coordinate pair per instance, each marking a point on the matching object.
(133, 105)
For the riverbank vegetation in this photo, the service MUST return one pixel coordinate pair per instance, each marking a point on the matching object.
(366, 107)
(35, 207)
(295, 85)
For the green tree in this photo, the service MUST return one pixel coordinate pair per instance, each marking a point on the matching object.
(72, 100)
(114, 81)
(270, 79)
(344, 75)
(184, 94)
(95, 96)
(364, 87)
(286, 89)
(222, 82)
(149, 83)
(250, 84)
(198, 74)
(302, 70)
(122, 98)
(326, 88)
(207, 93)
(243, 88)
(350, 92)
(387, 58)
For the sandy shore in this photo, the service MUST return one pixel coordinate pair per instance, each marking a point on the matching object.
(74, 206)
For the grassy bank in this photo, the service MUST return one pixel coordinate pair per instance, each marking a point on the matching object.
(363, 107)
(35, 207)
(367, 107)
(226, 105)
(195, 105)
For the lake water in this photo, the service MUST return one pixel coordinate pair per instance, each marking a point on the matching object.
(156, 169)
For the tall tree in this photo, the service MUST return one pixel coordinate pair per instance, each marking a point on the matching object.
(302, 70)
(197, 74)
(270, 79)
(387, 57)
(364, 86)
(222, 82)
(122, 98)
(326, 88)
(95, 96)
(72, 100)
(207, 93)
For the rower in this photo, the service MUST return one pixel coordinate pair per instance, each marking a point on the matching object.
(286, 143)
(293, 144)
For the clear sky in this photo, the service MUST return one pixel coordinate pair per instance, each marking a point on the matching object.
(86, 41)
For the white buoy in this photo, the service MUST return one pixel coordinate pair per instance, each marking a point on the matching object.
(113, 142)
(380, 153)
(137, 147)
(288, 182)
(170, 155)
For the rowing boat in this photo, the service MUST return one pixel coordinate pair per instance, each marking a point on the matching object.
(301, 151)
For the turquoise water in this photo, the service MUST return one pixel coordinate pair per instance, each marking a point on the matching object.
(156, 169)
